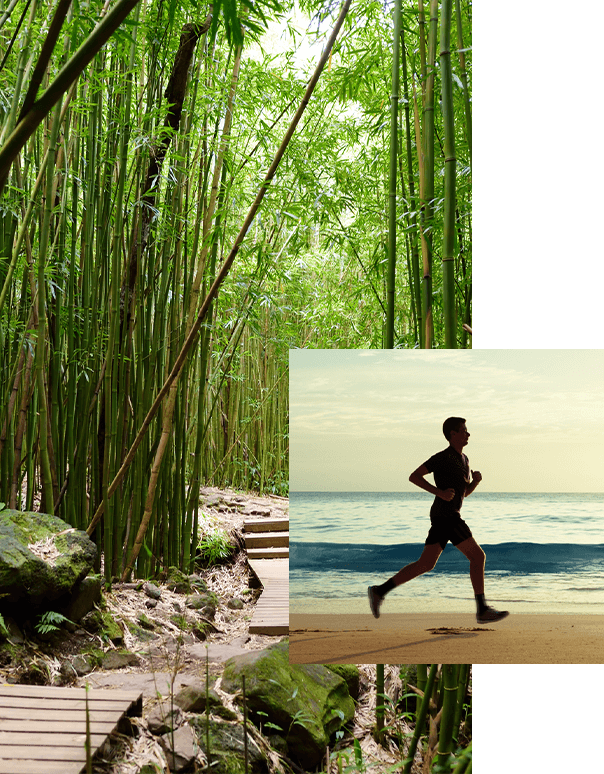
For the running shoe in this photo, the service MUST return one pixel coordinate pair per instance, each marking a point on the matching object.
(375, 600)
(490, 615)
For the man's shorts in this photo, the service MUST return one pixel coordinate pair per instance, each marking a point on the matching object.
(451, 528)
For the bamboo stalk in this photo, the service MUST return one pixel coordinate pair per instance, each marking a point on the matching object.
(445, 738)
(46, 473)
(391, 273)
(448, 259)
(428, 198)
(414, 278)
(463, 76)
(420, 718)
(47, 48)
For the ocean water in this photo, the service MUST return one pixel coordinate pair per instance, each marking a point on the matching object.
(544, 552)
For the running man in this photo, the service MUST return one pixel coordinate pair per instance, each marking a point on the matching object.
(451, 470)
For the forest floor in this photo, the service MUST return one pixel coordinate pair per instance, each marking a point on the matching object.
(173, 660)
(176, 658)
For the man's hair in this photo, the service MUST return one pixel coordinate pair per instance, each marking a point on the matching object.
(450, 424)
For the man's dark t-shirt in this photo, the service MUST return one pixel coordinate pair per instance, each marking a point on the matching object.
(451, 471)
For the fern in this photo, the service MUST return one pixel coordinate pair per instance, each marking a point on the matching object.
(48, 622)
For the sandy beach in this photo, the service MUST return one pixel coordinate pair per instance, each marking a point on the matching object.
(446, 638)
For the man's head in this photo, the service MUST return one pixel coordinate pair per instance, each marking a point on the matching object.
(454, 425)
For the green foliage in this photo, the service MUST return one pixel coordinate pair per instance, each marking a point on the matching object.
(3, 628)
(49, 622)
(214, 546)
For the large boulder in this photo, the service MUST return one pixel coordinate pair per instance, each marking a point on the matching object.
(41, 558)
(307, 702)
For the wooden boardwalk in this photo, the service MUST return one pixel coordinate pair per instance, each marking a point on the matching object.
(267, 544)
(43, 728)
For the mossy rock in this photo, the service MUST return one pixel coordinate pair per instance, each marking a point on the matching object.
(308, 701)
(350, 673)
(227, 747)
(26, 576)
(142, 634)
(177, 581)
(101, 621)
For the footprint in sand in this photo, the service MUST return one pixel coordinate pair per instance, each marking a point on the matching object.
(450, 630)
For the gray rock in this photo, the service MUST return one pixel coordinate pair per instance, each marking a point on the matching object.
(258, 511)
(151, 604)
(192, 698)
(181, 748)
(82, 663)
(178, 582)
(235, 604)
(82, 598)
(196, 601)
(151, 590)
(15, 635)
(164, 717)
(116, 659)
(66, 557)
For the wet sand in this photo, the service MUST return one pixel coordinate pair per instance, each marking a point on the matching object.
(446, 639)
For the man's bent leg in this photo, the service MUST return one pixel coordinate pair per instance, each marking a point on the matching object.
(425, 563)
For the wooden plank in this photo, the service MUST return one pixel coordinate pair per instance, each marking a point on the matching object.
(266, 539)
(45, 691)
(267, 545)
(271, 615)
(70, 704)
(268, 553)
(43, 728)
(39, 767)
(269, 569)
(58, 726)
(41, 714)
(51, 739)
(266, 525)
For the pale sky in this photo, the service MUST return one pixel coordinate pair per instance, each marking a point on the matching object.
(278, 39)
(363, 420)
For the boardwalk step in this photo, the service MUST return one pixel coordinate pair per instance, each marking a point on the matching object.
(267, 547)
(272, 612)
(266, 525)
(268, 553)
(267, 539)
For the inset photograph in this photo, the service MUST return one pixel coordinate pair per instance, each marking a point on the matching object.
(446, 506)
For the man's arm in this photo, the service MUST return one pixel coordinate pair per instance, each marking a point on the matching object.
(417, 478)
(476, 479)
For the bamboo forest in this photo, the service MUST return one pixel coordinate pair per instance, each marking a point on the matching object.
(188, 191)
(184, 199)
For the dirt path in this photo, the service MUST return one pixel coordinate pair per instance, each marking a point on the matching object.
(163, 660)
(232, 508)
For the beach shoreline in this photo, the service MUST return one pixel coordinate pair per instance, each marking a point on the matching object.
(446, 638)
